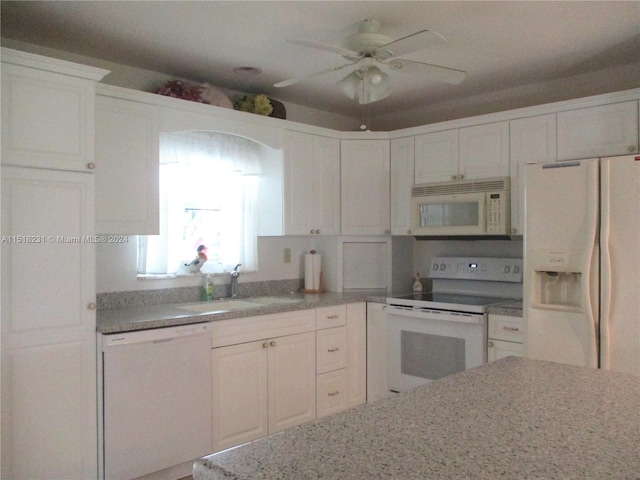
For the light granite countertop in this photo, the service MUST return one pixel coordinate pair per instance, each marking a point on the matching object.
(511, 309)
(514, 418)
(128, 319)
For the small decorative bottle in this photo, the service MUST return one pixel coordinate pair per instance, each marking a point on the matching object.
(417, 285)
(208, 289)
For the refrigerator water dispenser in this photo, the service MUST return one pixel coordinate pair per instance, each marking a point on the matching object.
(558, 290)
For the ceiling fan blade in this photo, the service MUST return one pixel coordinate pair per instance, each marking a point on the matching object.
(412, 43)
(291, 81)
(435, 72)
(328, 48)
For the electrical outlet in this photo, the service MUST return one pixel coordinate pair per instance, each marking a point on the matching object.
(287, 255)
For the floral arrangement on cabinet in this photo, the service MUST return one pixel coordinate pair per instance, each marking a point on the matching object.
(183, 90)
(259, 104)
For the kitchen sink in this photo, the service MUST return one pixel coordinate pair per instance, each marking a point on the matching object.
(231, 304)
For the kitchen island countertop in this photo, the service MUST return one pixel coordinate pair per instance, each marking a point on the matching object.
(514, 418)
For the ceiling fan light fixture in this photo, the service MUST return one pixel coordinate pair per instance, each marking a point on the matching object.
(349, 85)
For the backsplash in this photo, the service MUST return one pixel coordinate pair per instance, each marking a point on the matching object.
(145, 298)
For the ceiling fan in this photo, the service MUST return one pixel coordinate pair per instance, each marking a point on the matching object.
(371, 53)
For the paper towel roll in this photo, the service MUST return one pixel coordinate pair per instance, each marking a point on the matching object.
(312, 271)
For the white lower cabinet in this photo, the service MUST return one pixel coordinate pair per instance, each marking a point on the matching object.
(273, 372)
(264, 375)
(262, 387)
(376, 331)
(506, 337)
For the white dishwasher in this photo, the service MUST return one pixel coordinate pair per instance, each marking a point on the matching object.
(157, 399)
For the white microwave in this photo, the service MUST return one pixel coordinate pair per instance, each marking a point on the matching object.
(461, 208)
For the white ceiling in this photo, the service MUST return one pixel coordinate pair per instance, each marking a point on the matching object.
(504, 46)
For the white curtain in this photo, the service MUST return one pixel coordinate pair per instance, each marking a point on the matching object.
(205, 170)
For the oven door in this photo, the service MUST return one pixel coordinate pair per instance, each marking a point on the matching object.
(424, 345)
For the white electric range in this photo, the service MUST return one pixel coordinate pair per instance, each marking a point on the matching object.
(444, 331)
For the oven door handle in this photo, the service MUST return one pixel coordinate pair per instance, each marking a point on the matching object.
(438, 315)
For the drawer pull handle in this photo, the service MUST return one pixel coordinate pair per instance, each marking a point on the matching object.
(511, 329)
(331, 317)
(333, 350)
(333, 394)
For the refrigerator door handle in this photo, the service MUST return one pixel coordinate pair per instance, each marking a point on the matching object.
(605, 263)
(591, 269)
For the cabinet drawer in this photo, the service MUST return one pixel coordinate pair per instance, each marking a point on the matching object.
(331, 349)
(332, 392)
(329, 317)
(502, 327)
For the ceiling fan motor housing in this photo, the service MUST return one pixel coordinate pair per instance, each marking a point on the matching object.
(367, 40)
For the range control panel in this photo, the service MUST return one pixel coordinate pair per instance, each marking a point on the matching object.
(477, 268)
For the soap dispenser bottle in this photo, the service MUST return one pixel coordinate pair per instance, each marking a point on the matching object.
(417, 285)
(208, 289)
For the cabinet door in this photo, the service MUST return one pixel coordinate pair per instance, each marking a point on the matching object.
(292, 381)
(127, 167)
(376, 351)
(48, 325)
(498, 349)
(436, 157)
(402, 168)
(598, 131)
(325, 217)
(484, 150)
(312, 184)
(365, 187)
(298, 190)
(239, 394)
(357, 353)
(47, 119)
(532, 140)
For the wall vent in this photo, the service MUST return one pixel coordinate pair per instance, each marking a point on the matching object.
(457, 187)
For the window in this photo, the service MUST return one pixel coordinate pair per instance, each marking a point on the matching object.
(208, 196)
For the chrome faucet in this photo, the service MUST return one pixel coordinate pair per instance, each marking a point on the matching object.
(234, 281)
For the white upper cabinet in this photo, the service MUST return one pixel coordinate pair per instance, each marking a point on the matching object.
(47, 112)
(312, 184)
(484, 150)
(532, 140)
(365, 187)
(436, 157)
(127, 167)
(402, 168)
(598, 131)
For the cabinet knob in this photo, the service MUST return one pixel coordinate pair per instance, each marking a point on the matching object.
(265, 345)
(272, 343)
(92, 306)
(489, 344)
(313, 232)
(454, 177)
(632, 148)
(387, 232)
(408, 232)
(91, 166)
(318, 232)
(514, 230)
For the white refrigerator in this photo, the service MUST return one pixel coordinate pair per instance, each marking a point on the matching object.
(581, 284)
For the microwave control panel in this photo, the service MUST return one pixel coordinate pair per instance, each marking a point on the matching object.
(497, 215)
